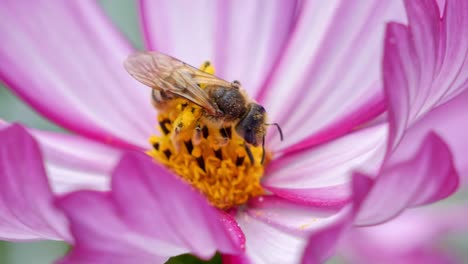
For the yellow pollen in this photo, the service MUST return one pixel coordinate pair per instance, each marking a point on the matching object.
(214, 160)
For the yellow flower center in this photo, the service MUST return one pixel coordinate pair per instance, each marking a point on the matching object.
(215, 161)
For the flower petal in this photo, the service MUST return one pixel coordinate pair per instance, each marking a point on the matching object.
(427, 177)
(65, 60)
(346, 124)
(383, 243)
(426, 63)
(26, 199)
(448, 121)
(148, 215)
(73, 162)
(267, 244)
(323, 242)
(412, 237)
(331, 68)
(242, 44)
(237, 259)
(292, 218)
(321, 245)
(230, 224)
(335, 196)
(321, 175)
(277, 229)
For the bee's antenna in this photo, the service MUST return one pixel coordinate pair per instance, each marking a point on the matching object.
(249, 153)
(279, 129)
(263, 150)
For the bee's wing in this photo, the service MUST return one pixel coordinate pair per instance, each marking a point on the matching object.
(165, 73)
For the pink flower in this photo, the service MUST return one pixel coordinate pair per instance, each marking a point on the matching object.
(314, 66)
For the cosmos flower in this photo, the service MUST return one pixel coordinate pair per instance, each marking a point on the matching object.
(313, 65)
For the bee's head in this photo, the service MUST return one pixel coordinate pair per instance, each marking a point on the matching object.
(252, 125)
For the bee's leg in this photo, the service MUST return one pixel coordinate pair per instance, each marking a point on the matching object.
(185, 123)
(249, 153)
(159, 99)
(174, 138)
(197, 135)
(263, 150)
(175, 135)
(226, 134)
(177, 128)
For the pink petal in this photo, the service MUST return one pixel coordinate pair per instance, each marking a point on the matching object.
(148, 215)
(73, 162)
(267, 244)
(292, 218)
(418, 256)
(335, 196)
(3, 124)
(444, 102)
(76, 257)
(330, 70)
(242, 44)
(276, 230)
(181, 29)
(453, 64)
(425, 64)
(25, 196)
(427, 177)
(65, 60)
(320, 176)
(321, 245)
(237, 259)
(412, 237)
(323, 242)
(448, 121)
(346, 124)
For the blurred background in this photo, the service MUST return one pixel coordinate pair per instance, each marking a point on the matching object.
(124, 15)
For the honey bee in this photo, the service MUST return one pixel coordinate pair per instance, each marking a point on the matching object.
(224, 102)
